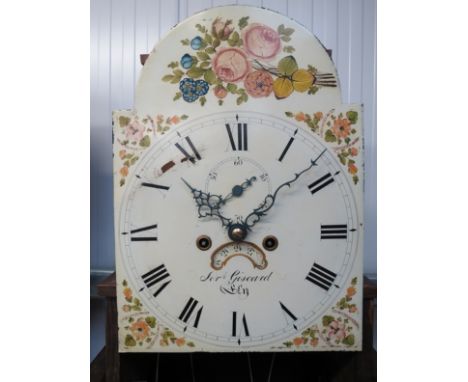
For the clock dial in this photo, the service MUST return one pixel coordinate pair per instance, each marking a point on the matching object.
(292, 264)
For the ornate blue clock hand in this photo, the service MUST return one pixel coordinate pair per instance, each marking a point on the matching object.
(238, 231)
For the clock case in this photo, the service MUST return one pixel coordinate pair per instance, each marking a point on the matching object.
(164, 102)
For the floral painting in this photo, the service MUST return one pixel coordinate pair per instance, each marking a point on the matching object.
(335, 329)
(135, 135)
(140, 329)
(338, 130)
(242, 60)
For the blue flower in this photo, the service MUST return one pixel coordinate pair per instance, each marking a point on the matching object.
(201, 87)
(186, 61)
(192, 89)
(196, 43)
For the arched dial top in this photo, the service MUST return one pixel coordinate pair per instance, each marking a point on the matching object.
(239, 57)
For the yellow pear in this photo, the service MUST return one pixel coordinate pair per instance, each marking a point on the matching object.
(282, 87)
(302, 80)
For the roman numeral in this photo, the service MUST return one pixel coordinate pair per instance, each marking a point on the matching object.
(242, 142)
(152, 185)
(156, 276)
(186, 154)
(243, 324)
(188, 310)
(288, 145)
(142, 229)
(289, 314)
(334, 231)
(320, 183)
(321, 276)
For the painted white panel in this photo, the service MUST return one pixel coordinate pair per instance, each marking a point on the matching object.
(121, 30)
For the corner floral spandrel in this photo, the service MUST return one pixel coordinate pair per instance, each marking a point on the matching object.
(336, 329)
(242, 60)
(140, 329)
(338, 130)
(136, 134)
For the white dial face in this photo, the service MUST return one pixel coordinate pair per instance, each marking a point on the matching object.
(295, 257)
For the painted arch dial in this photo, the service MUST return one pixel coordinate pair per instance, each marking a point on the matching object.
(288, 269)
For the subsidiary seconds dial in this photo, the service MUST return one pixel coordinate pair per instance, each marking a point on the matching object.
(261, 288)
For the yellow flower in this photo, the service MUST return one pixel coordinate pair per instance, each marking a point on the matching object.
(127, 293)
(352, 170)
(341, 127)
(124, 171)
(300, 116)
(175, 119)
(350, 292)
(140, 330)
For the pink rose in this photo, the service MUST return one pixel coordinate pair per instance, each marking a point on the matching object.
(221, 29)
(230, 64)
(337, 330)
(261, 41)
(134, 130)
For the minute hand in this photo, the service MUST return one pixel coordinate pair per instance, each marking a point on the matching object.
(255, 216)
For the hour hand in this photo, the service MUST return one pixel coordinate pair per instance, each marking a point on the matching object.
(208, 204)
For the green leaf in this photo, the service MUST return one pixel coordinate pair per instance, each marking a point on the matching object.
(288, 344)
(208, 38)
(285, 38)
(191, 344)
(151, 321)
(177, 96)
(287, 66)
(205, 64)
(243, 21)
(122, 182)
(184, 116)
(281, 29)
(220, 102)
(326, 320)
(239, 100)
(314, 89)
(216, 43)
(231, 87)
(203, 56)
(210, 77)
(352, 116)
(129, 340)
(123, 121)
(234, 39)
(145, 141)
(288, 49)
(173, 64)
(202, 100)
(185, 41)
(354, 281)
(342, 158)
(210, 50)
(329, 137)
(349, 340)
(195, 72)
(178, 72)
(289, 114)
(288, 31)
(124, 283)
(168, 77)
(355, 179)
